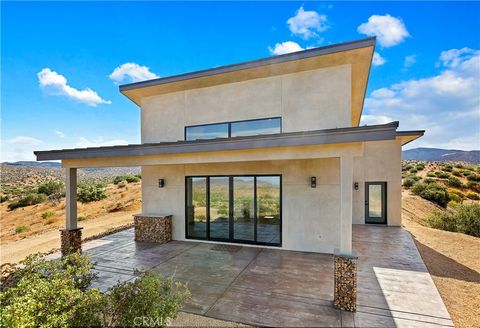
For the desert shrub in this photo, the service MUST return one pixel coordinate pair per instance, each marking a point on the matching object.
(47, 214)
(122, 184)
(454, 182)
(473, 195)
(454, 198)
(91, 192)
(459, 166)
(56, 294)
(21, 229)
(3, 198)
(413, 171)
(473, 177)
(81, 218)
(462, 218)
(456, 192)
(128, 178)
(52, 187)
(475, 186)
(420, 167)
(442, 175)
(410, 180)
(465, 173)
(29, 199)
(429, 180)
(457, 173)
(148, 296)
(407, 167)
(431, 175)
(433, 192)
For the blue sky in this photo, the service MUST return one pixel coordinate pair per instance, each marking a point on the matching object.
(57, 60)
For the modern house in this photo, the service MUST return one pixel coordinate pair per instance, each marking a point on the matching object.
(266, 152)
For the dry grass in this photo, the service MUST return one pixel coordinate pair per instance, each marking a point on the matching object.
(451, 258)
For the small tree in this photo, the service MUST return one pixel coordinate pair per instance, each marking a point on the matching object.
(91, 192)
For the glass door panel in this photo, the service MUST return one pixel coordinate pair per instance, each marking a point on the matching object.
(268, 209)
(375, 198)
(197, 207)
(244, 208)
(219, 207)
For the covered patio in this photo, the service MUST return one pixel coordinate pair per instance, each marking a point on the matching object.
(272, 287)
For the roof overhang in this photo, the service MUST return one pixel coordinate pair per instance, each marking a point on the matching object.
(408, 136)
(292, 139)
(357, 53)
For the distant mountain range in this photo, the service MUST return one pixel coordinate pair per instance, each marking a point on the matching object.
(442, 155)
(33, 163)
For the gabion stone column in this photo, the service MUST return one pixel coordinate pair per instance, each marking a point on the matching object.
(71, 241)
(345, 282)
(153, 228)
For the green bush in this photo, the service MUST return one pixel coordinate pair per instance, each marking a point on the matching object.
(475, 186)
(459, 166)
(465, 173)
(473, 195)
(3, 198)
(413, 171)
(463, 218)
(455, 198)
(457, 173)
(30, 199)
(433, 192)
(57, 294)
(407, 167)
(442, 175)
(21, 229)
(473, 177)
(420, 167)
(431, 175)
(82, 218)
(91, 192)
(410, 180)
(52, 187)
(128, 178)
(47, 214)
(454, 182)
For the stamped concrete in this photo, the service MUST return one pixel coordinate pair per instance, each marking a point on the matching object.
(272, 287)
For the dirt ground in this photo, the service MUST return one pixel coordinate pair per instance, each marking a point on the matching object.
(120, 199)
(452, 259)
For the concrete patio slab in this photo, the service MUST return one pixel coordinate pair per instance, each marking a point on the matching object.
(273, 287)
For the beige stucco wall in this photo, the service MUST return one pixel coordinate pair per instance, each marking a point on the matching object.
(309, 100)
(381, 162)
(310, 216)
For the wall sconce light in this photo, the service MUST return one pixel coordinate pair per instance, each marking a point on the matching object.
(313, 182)
(355, 185)
(161, 183)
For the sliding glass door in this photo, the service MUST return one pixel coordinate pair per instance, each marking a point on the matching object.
(244, 209)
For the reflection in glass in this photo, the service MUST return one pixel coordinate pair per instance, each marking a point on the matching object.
(268, 209)
(243, 208)
(197, 207)
(375, 200)
(219, 207)
(256, 127)
(207, 131)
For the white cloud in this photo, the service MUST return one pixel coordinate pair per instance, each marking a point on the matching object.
(378, 60)
(285, 48)
(59, 133)
(132, 72)
(446, 105)
(98, 142)
(57, 85)
(307, 24)
(409, 61)
(19, 148)
(23, 140)
(389, 30)
(375, 119)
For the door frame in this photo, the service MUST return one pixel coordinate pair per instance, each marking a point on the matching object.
(384, 202)
(230, 210)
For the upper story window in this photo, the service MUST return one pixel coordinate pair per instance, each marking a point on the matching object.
(234, 129)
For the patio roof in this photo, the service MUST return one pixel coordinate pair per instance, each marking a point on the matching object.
(358, 54)
(317, 137)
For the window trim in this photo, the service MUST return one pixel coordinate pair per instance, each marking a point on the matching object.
(229, 125)
(230, 179)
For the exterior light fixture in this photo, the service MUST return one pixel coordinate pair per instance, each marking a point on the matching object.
(355, 186)
(313, 182)
(161, 183)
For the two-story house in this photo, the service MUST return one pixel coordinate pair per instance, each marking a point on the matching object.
(266, 152)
